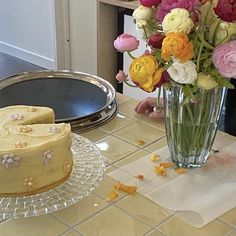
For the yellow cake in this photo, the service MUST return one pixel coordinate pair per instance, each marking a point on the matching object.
(35, 153)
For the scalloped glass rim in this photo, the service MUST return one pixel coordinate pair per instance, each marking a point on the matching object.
(87, 175)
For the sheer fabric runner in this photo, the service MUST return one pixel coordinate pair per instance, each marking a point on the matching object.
(199, 196)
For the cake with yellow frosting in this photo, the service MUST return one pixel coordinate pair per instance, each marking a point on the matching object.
(35, 153)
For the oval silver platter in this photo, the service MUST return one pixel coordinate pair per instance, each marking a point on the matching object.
(86, 101)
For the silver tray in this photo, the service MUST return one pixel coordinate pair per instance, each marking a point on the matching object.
(88, 173)
(84, 100)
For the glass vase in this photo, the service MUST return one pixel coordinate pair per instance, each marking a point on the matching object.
(191, 124)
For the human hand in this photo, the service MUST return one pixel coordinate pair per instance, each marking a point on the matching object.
(147, 106)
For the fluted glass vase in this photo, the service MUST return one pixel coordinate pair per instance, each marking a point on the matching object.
(191, 124)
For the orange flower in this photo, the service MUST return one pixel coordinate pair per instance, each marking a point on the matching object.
(177, 45)
(145, 72)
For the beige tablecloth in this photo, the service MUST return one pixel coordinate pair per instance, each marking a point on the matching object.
(200, 195)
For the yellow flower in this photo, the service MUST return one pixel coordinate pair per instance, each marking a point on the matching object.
(177, 45)
(145, 72)
(178, 20)
(206, 82)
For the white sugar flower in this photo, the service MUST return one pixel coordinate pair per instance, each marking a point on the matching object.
(143, 13)
(15, 117)
(10, 160)
(183, 73)
(177, 20)
(47, 156)
(53, 129)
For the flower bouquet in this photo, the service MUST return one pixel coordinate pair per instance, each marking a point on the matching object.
(191, 55)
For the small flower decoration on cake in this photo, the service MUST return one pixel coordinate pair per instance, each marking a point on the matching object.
(10, 160)
(19, 144)
(16, 117)
(67, 166)
(29, 183)
(25, 129)
(54, 129)
(47, 156)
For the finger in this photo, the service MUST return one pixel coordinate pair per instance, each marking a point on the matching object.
(146, 104)
(157, 115)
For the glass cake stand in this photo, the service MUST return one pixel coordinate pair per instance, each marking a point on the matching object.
(86, 176)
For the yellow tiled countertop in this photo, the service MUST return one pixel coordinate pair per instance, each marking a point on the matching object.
(127, 215)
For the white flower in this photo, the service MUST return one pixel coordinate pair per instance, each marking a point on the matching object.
(47, 156)
(177, 20)
(183, 73)
(143, 13)
(53, 129)
(141, 23)
(15, 117)
(10, 160)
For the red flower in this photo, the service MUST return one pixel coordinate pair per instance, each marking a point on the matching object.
(226, 10)
(156, 40)
(149, 3)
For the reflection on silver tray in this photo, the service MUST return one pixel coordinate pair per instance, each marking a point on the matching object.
(88, 172)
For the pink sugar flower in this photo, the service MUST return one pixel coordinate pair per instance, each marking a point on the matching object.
(149, 3)
(126, 42)
(224, 59)
(121, 76)
(166, 6)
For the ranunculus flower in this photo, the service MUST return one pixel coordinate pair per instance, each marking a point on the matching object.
(177, 45)
(126, 42)
(226, 10)
(224, 59)
(225, 31)
(121, 76)
(145, 72)
(149, 3)
(183, 73)
(178, 20)
(155, 40)
(206, 82)
(143, 13)
(167, 5)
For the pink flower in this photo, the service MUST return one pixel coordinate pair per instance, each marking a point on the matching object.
(166, 6)
(224, 59)
(226, 10)
(149, 3)
(121, 76)
(146, 52)
(126, 42)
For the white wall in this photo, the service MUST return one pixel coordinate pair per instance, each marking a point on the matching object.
(27, 30)
(83, 35)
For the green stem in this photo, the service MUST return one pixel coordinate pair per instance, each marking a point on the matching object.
(215, 32)
(204, 42)
(131, 56)
(130, 85)
(198, 57)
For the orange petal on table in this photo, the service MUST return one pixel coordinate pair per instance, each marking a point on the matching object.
(167, 164)
(160, 170)
(125, 188)
(180, 170)
(141, 177)
(111, 196)
(140, 142)
(154, 157)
